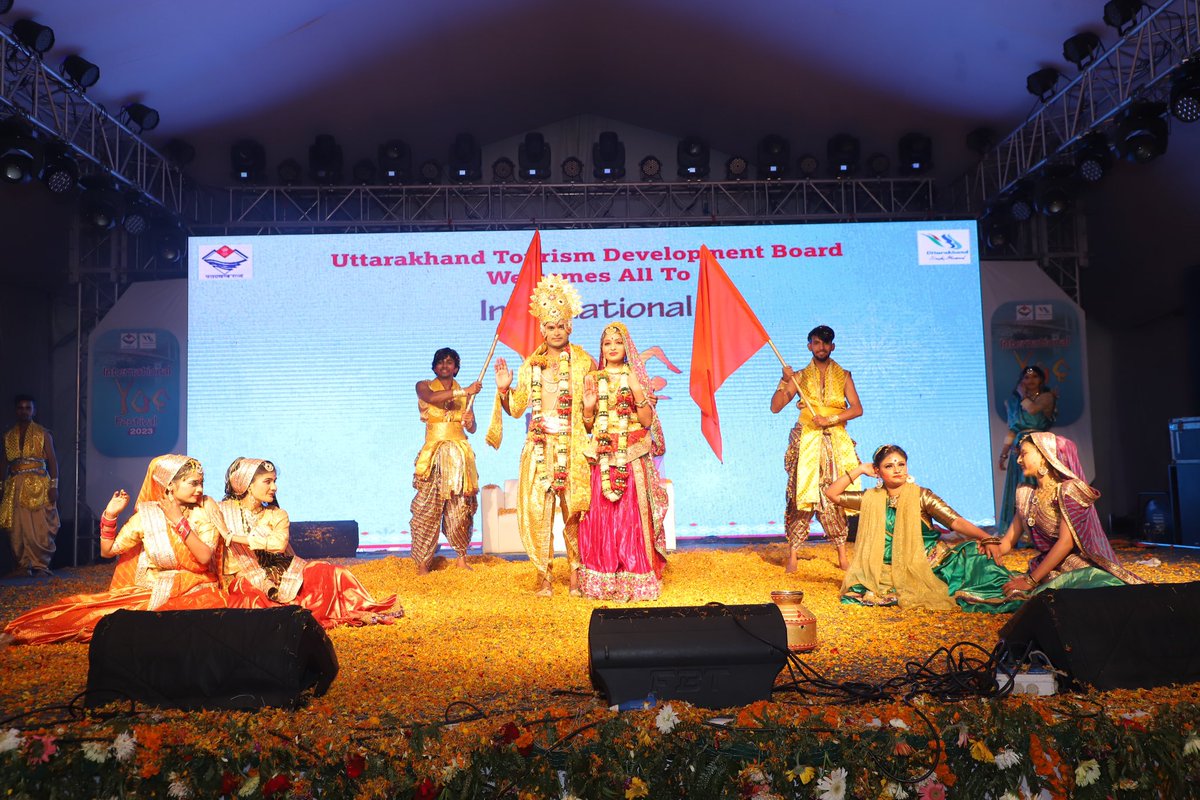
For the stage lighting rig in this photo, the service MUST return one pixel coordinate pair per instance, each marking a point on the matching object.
(1122, 14)
(6, 6)
(431, 171)
(1142, 132)
(693, 158)
(608, 157)
(395, 162)
(36, 37)
(363, 172)
(503, 170)
(572, 169)
(1082, 49)
(914, 154)
(100, 203)
(1185, 90)
(533, 157)
(1041, 84)
(138, 214)
(1053, 192)
(774, 157)
(1020, 202)
(808, 164)
(61, 171)
(247, 161)
(1094, 157)
(80, 71)
(878, 165)
(650, 168)
(289, 172)
(139, 117)
(843, 151)
(466, 159)
(736, 169)
(21, 153)
(169, 239)
(325, 164)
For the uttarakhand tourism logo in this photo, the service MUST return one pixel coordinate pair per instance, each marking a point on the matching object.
(226, 262)
(944, 247)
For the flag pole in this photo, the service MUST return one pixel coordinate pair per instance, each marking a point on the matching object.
(486, 362)
(795, 382)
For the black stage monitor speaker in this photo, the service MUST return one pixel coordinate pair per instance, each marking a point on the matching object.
(1117, 637)
(712, 656)
(221, 658)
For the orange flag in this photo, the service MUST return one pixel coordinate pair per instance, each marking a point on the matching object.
(518, 328)
(726, 334)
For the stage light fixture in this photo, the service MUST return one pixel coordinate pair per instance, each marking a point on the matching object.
(533, 157)
(1185, 90)
(572, 169)
(736, 169)
(808, 164)
(61, 171)
(138, 214)
(6, 6)
(35, 36)
(363, 172)
(774, 154)
(878, 165)
(169, 240)
(139, 117)
(431, 171)
(395, 161)
(996, 228)
(1093, 158)
(914, 154)
(247, 161)
(980, 140)
(325, 164)
(843, 151)
(1082, 49)
(650, 168)
(466, 159)
(1053, 195)
(179, 152)
(692, 158)
(21, 153)
(100, 203)
(1121, 14)
(503, 170)
(1041, 84)
(1142, 133)
(289, 172)
(608, 157)
(1020, 202)
(80, 71)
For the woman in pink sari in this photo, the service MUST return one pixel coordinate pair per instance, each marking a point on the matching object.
(622, 545)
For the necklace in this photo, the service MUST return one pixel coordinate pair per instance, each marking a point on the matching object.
(558, 480)
(613, 477)
(1043, 495)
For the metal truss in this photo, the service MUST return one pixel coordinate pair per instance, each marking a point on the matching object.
(60, 110)
(1136, 68)
(360, 209)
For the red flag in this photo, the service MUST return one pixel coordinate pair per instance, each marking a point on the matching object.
(726, 334)
(518, 328)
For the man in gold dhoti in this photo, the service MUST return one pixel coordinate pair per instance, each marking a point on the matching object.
(819, 448)
(445, 476)
(554, 471)
(29, 506)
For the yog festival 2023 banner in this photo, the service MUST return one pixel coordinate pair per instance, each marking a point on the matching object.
(306, 350)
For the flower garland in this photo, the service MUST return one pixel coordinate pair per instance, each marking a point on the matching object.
(563, 409)
(613, 478)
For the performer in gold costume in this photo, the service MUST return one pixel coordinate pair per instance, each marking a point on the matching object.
(554, 470)
(819, 448)
(445, 477)
(29, 509)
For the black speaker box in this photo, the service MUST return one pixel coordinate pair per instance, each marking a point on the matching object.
(221, 658)
(1116, 637)
(331, 539)
(712, 656)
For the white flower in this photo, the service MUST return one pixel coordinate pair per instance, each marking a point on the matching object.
(249, 787)
(896, 790)
(1190, 747)
(124, 745)
(1009, 796)
(178, 789)
(899, 723)
(1087, 773)
(833, 785)
(95, 751)
(667, 719)
(11, 740)
(1007, 757)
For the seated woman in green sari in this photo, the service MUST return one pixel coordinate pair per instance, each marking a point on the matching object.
(900, 558)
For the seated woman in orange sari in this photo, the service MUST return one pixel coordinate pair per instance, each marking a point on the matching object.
(169, 550)
(260, 559)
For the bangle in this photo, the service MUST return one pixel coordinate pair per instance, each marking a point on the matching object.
(644, 402)
(183, 528)
(503, 392)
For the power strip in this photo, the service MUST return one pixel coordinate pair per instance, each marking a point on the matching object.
(1030, 681)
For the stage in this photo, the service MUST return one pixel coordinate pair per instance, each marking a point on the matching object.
(479, 646)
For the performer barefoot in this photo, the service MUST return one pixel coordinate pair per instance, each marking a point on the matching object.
(261, 559)
(174, 547)
(622, 544)
(554, 471)
(1073, 550)
(445, 477)
(29, 491)
(1031, 407)
(819, 448)
(900, 558)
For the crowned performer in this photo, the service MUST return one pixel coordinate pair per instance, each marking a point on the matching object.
(554, 472)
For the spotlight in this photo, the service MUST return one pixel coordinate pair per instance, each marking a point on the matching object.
(692, 156)
(572, 169)
(980, 140)
(736, 169)
(363, 172)
(289, 171)
(100, 203)
(1053, 196)
(1082, 49)
(878, 165)
(21, 154)
(1041, 84)
(997, 231)
(608, 157)
(843, 150)
(169, 240)
(808, 165)
(1185, 90)
(1020, 202)
(35, 36)
(466, 159)
(179, 152)
(1094, 157)
(82, 72)
(914, 154)
(431, 171)
(395, 161)
(774, 157)
(1142, 133)
(651, 168)
(61, 172)
(1120, 14)
(248, 161)
(533, 156)
(503, 170)
(137, 215)
(140, 117)
(325, 160)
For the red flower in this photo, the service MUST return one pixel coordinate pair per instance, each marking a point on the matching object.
(230, 783)
(356, 765)
(509, 733)
(427, 790)
(280, 783)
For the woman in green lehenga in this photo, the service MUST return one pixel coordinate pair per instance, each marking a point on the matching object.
(900, 558)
